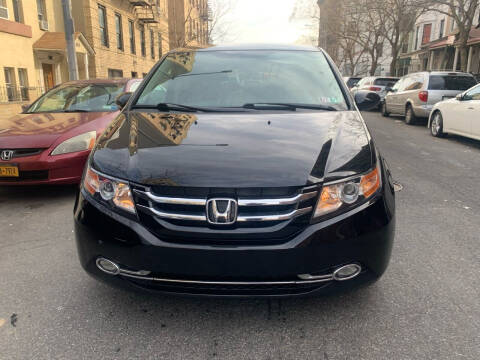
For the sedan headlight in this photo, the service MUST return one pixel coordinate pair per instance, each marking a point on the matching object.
(80, 142)
(108, 190)
(348, 193)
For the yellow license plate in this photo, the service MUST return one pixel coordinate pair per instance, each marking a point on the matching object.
(9, 171)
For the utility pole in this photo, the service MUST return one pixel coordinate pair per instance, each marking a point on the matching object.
(69, 31)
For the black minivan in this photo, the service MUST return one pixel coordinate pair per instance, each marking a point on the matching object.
(238, 171)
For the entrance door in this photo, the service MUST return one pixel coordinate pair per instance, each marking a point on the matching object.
(48, 76)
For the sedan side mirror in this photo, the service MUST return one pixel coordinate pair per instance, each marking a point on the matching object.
(389, 89)
(367, 100)
(26, 107)
(122, 99)
(459, 97)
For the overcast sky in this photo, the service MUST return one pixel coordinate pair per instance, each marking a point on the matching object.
(267, 21)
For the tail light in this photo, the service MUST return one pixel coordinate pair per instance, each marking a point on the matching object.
(423, 96)
(374, 88)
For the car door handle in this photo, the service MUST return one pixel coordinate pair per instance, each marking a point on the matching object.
(471, 108)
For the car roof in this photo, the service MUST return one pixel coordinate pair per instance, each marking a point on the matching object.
(97, 81)
(246, 47)
(455, 73)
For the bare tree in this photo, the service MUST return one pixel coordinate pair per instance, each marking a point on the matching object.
(357, 31)
(463, 12)
(399, 17)
(218, 24)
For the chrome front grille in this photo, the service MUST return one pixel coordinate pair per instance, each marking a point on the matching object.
(194, 209)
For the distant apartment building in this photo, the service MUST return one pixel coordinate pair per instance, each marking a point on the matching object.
(128, 36)
(433, 45)
(188, 23)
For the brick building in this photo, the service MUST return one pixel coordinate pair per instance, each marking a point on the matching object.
(127, 36)
(188, 23)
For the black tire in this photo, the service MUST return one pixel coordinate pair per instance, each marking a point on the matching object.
(383, 109)
(410, 117)
(436, 126)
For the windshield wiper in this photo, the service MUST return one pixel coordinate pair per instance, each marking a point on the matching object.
(181, 107)
(204, 73)
(289, 106)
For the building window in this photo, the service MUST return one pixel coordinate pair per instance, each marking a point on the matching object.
(145, 75)
(427, 31)
(160, 44)
(152, 44)
(10, 83)
(119, 31)
(102, 22)
(142, 41)
(134, 74)
(442, 28)
(417, 33)
(23, 83)
(42, 15)
(115, 73)
(18, 10)
(452, 24)
(131, 32)
(3, 9)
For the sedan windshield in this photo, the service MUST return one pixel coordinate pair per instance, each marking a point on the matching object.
(79, 98)
(231, 79)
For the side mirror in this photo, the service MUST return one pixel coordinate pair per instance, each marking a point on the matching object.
(26, 107)
(459, 97)
(388, 89)
(122, 99)
(367, 100)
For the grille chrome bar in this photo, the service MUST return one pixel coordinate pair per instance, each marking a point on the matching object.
(272, 202)
(172, 216)
(275, 217)
(147, 195)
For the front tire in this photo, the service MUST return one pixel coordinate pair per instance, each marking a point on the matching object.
(436, 127)
(385, 113)
(410, 117)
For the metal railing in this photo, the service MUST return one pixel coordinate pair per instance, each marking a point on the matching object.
(10, 93)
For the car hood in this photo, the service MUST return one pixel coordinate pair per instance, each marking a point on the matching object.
(43, 129)
(234, 150)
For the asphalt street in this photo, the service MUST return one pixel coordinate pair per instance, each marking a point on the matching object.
(426, 306)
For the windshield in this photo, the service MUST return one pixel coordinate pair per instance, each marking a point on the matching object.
(79, 98)
(234, 78)
(451, 82)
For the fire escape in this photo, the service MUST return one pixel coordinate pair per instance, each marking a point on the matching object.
(146, 11)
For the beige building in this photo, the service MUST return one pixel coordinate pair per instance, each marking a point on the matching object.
(33, 51)
(128, 36)
(188, 23)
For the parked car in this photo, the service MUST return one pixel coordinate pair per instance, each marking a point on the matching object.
(351, 81)
(217, 179)
(460, 115)
(377, 84)
(415, 94)
(50, 141)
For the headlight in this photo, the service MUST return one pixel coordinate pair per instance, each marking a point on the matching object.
(347, 193)
(111, 191)
(80, 142)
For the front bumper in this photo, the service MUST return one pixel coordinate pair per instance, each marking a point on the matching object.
(363, 236)
(44, 169)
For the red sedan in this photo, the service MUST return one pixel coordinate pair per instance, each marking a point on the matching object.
(50, 142)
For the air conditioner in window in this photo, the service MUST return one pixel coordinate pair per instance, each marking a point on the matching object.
(43, 25)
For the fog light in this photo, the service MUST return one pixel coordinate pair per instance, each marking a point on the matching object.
(347, 272)
(108, 266)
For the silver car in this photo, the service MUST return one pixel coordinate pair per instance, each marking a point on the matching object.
(414, 95)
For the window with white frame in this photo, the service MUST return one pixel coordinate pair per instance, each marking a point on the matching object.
(3, 9)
